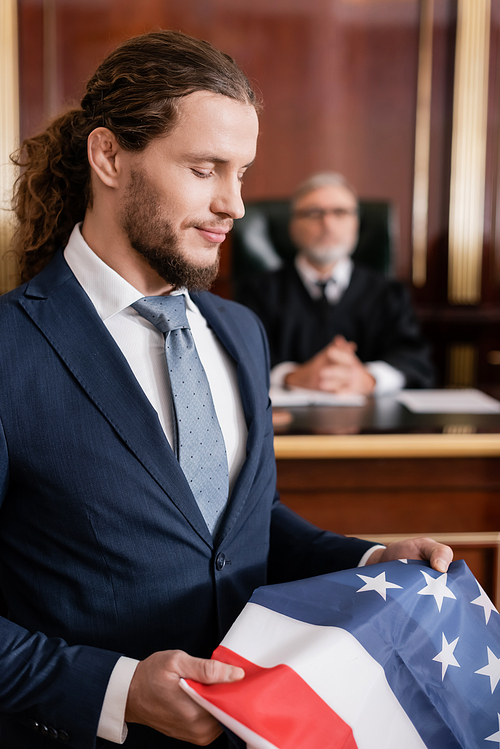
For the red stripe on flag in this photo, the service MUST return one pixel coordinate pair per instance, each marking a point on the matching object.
(277, 704)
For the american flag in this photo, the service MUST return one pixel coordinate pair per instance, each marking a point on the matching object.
(390, 656)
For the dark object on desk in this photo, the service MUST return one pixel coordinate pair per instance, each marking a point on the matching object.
(261, 240)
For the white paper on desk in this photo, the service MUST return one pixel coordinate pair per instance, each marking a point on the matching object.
(305, 397)
(467, 401)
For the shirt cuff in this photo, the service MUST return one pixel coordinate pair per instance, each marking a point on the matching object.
(387, 378)
(112, 724)
(366, 556)
(280, 371)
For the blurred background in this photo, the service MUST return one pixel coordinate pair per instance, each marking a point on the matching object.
(401, 96)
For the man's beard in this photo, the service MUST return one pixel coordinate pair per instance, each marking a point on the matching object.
(329, 254)
(154, 239)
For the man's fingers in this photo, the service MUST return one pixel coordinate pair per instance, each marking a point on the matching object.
(156, 699)
(341, 342)
(441, 557)
(337, 355)
(216, 672)
(334, 377)
(208, 671)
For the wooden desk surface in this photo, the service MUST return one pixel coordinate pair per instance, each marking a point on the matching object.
(387, 446)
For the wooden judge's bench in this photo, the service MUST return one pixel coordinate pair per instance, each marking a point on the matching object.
(381, 472)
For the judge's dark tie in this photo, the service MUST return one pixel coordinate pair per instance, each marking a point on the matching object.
(323, 302)
(199, 444)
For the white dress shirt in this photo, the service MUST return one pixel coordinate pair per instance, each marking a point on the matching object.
(388, 379)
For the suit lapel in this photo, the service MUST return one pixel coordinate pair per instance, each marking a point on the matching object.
(64, 314)
(215, 311)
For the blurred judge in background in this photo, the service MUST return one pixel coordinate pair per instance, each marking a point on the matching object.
(334, 324)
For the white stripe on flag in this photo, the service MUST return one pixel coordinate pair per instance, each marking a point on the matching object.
(335, 665)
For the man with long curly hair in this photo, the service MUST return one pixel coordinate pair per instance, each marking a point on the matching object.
(119, 577)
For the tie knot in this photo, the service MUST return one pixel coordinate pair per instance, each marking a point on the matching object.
(164, 312)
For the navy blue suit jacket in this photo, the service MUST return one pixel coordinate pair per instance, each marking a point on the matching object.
(103, 550)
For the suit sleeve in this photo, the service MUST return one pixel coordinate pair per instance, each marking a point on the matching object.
(258, 294)
(50, 687)
(300, 549)
(251, 294)
(401, 343)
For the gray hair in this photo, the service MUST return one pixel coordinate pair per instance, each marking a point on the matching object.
(321, 179)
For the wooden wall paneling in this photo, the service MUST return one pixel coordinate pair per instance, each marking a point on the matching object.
(30, 14)
(393, 474)
(434, 293)
(470, 119)
(444, 23)
(394, 495)
(283, 71)
(420, 215)
(449, 326)
(377, 511)
(491, 267)
(381, 45)
(338, 80)
(9, 135)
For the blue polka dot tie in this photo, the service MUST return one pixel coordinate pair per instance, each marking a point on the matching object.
(199, 444)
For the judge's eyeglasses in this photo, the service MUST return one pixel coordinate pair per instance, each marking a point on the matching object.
(317, 214)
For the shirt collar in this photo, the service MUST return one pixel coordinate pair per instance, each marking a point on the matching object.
(109, 292)
(340, 275)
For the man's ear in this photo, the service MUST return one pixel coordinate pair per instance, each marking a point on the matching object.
(102, 151)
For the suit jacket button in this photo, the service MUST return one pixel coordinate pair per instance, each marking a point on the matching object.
(220, 561)
(44, 730)
(63, 736)
(34, 724)
(52, 733)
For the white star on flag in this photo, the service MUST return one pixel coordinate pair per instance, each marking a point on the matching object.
(378, 584)
(436, 586)
(484, 601)
(446, 657)
(492, 670)
(495, 736)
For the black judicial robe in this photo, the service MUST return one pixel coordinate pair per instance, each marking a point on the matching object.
(375, 312)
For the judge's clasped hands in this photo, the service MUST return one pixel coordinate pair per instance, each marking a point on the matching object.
(335, 369)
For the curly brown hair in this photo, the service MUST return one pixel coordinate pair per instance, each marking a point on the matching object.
(135, 93)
